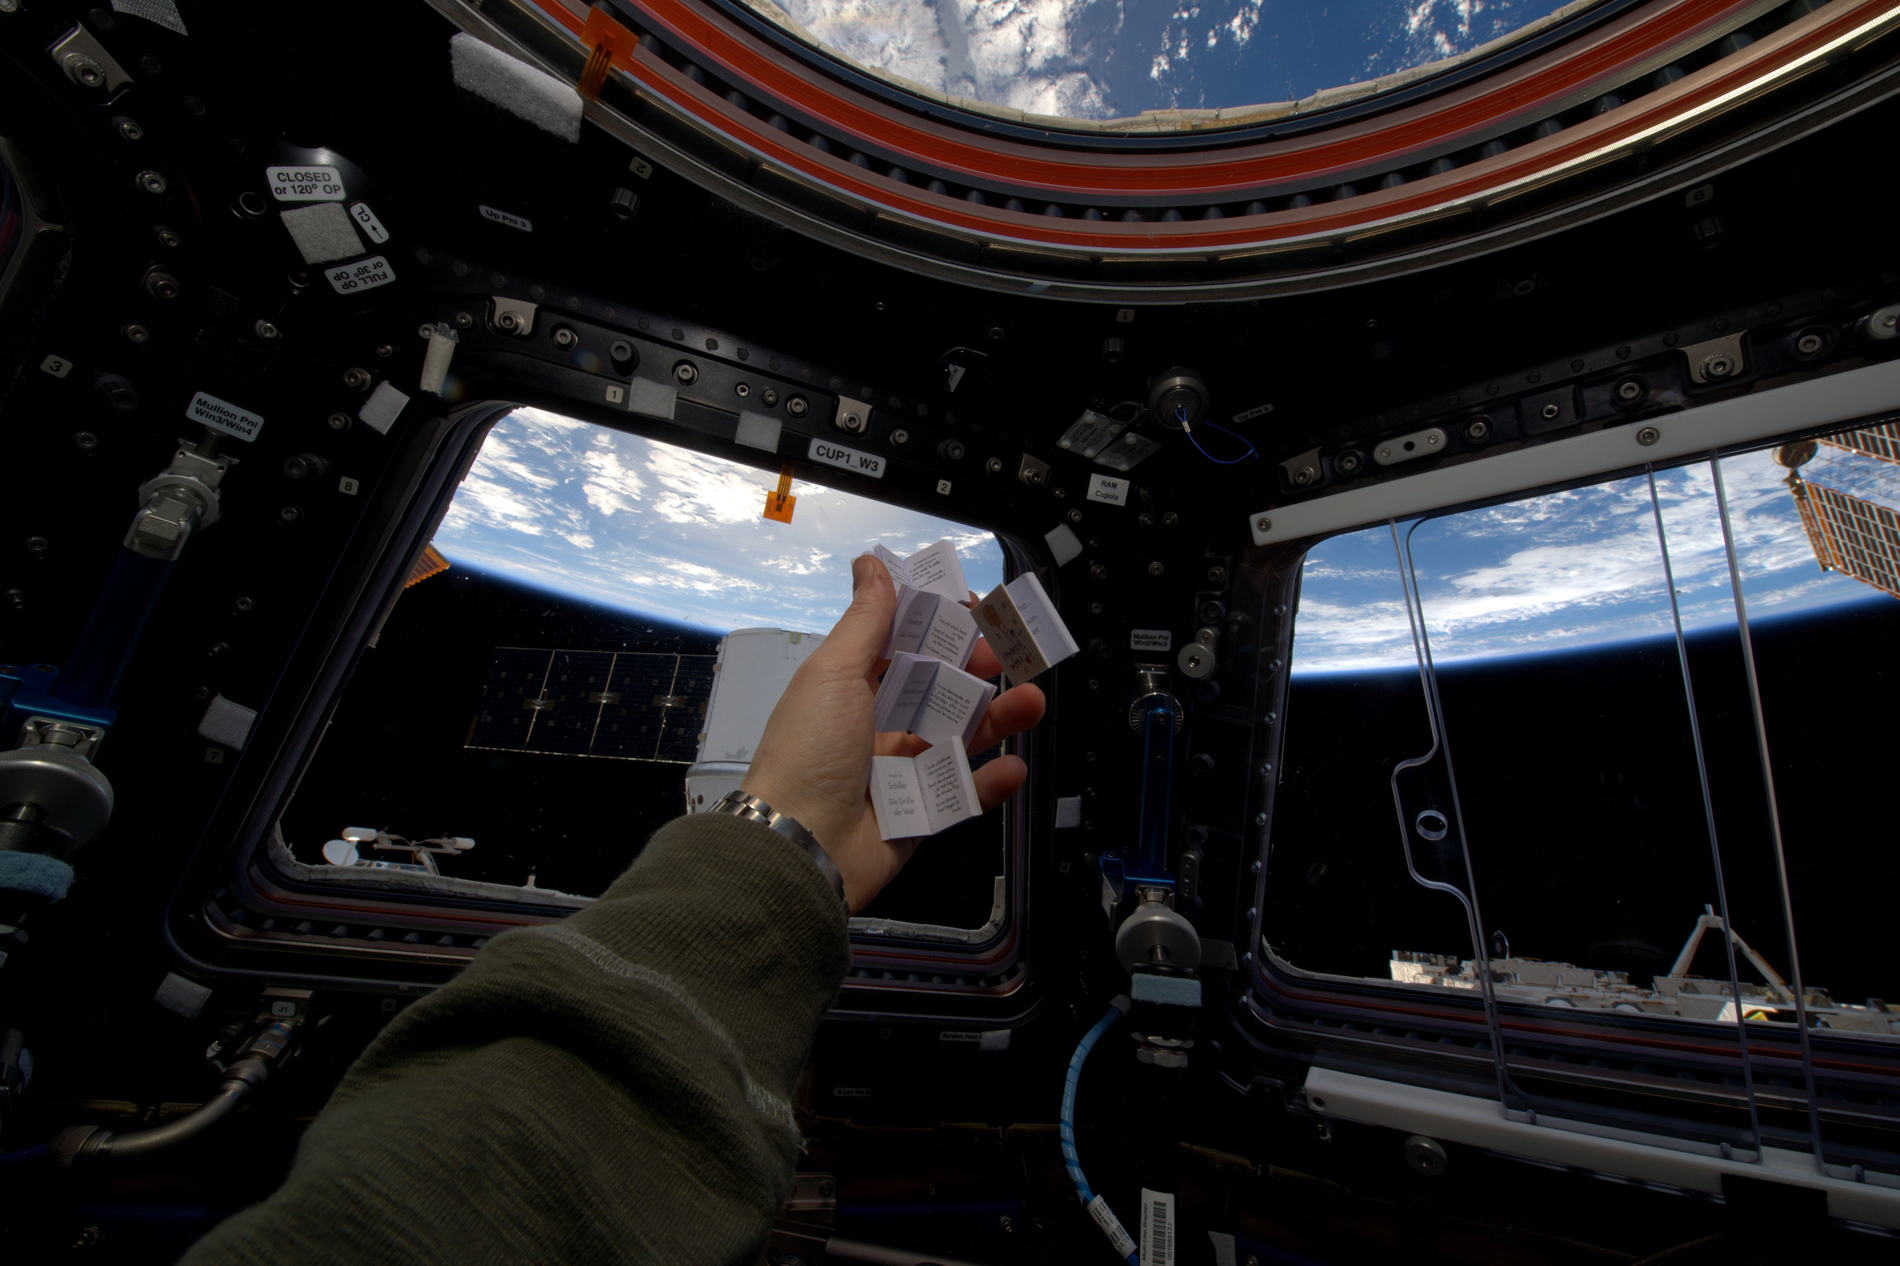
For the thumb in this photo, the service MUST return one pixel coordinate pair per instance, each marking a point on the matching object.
(860, 633)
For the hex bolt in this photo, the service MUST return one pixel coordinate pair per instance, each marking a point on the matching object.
(1263, 524)
(1629, 390)
(339, 421)
(356, 379)
(565, 338)
(135, 333)
(994, 465)
(1647, 436)
(84, 71)
(290, 514)
(1720, 365)
(686, 373)
(151, 182)
(797, 406)
(161, 284)
(1155, 568)
(265, 330)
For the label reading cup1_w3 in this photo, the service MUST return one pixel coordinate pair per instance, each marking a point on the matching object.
(222, 415)
(304, 184)
(504, 217)
(364, 274)
(1109, 489)
(360, 212)
(847, 458)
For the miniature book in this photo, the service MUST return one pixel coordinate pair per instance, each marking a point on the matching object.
(925, 794)
(934, 568)
(931, 624)
(931, 699)
(1022, 627)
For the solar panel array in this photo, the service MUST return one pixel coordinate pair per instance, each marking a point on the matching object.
(624, 705)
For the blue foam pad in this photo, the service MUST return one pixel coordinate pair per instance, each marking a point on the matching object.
(35, 873)
(1173, 991)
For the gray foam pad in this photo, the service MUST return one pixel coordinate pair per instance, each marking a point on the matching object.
(520, 89)
(35, 873)
(322, 232)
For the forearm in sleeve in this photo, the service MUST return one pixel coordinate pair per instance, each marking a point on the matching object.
(616, 1087)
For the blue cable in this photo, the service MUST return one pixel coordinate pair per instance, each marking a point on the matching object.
(22, 1156)
(1181, 416)
(1116, 1009)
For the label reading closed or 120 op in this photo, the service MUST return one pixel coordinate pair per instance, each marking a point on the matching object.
(304, 184)
(1150, 640)
(372, 227)
(222, 415)
(503, 217)
(364, 274)
(847, 458)
(1108, 489)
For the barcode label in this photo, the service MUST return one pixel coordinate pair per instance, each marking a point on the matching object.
(1111, 1226)
(1157, 1228)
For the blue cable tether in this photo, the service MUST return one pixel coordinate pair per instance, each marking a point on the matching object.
(1097, 1207)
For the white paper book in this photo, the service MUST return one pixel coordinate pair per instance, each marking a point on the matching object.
(923, 795)
(1022, 627)
(931, 624)
(931, 699)
(935, 568)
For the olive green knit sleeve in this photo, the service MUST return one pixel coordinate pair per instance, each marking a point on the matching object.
(615, 1087)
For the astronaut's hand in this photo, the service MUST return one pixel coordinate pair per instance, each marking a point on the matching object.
(814, 762)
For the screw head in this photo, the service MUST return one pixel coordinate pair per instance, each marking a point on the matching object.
(84, 71)
(900, 437)
(1551, 410)
(265, 330)
(770, 398)
(994, 465)
(356, 379)
(244, 604)
(426, 330)
(1304, 475)
(686, 373)
(151, 182)
(168, 238)
(85, 439)
(508, 322)
(290, 514)
(385, 351)
(339, 421)
(1098, 571)
(1348, 463)
(1809, 344)
(1033, 478)
(565, 338)
(1629, 390)
(135, 333)
(1647, 436)
(1478, 430)
(161, 284)
(1720, 365)
(1074, 516)
(1155, 568)
(1169, 518)
(463, 320)
(130, 130)
(1263, 524)
(797, 406)
(742, 390)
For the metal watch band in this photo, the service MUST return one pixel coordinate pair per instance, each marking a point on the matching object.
(743, 805)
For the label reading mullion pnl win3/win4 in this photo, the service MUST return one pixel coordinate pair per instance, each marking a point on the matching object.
(364, 274)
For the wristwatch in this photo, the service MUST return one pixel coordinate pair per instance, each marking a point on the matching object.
(742, 805)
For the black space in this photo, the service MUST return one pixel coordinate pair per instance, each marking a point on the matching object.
(394, 759)
(1577, 780)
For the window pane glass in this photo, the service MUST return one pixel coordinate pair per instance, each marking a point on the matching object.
(543, 694)
(1340, 899)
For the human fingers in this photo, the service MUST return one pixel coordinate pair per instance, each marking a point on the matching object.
(1011, 712)
(998, 780)
(853, 644)
(983, 662)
